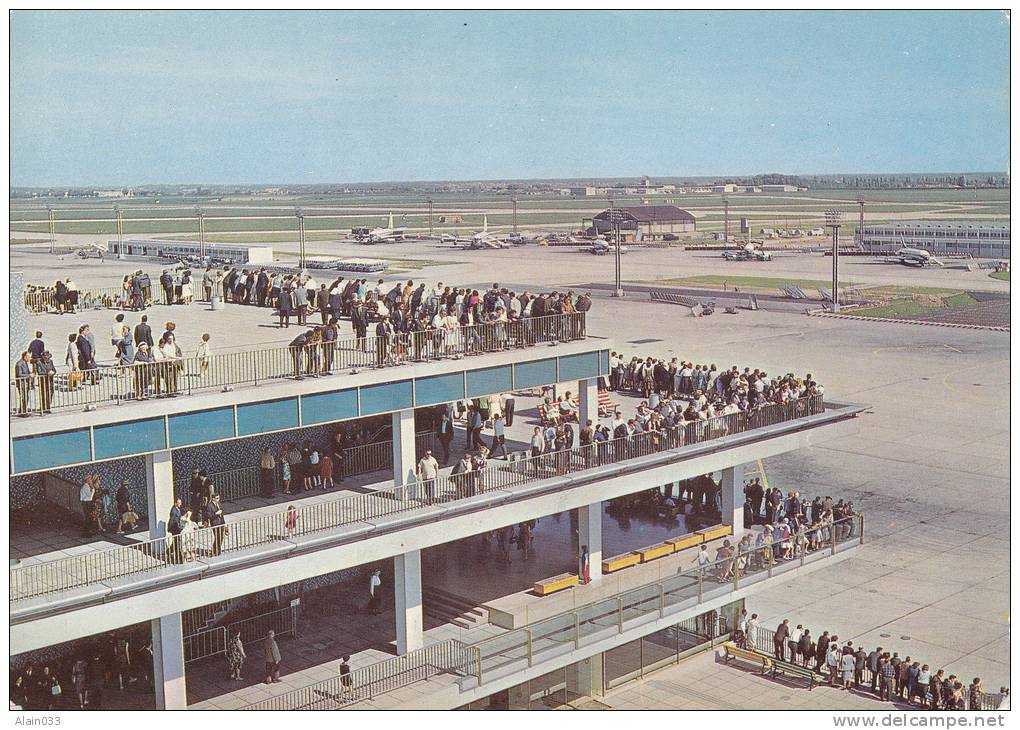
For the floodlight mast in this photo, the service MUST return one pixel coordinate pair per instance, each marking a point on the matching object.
(834, 219)
(300, 214)
(120, 231)
(201, 232)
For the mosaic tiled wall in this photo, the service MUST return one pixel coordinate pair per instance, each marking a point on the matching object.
(19, 321)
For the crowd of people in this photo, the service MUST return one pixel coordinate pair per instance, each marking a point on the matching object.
(117, 662)
(885, 674)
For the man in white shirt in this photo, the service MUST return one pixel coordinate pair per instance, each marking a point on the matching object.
(752, 631)
(375, 592)
(427, 472)
(85, 497)
(793, 643)
(537, 442)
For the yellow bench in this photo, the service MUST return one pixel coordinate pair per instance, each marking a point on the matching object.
(611, 565)
(685, 541)
(558, 583)
(735, 652)
(712, 533)
(655, 551)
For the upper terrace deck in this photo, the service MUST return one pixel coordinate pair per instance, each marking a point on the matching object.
(248, 393)
(354, 530)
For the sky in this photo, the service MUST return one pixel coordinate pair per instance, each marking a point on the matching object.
(135, 98)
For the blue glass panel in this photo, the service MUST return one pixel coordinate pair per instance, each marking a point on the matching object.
(489, 381)
(134, 437)
(604, 362)
(438, 389)
(53, 449)
(533, 374)
(385, 398)
(202, 426)
(326, 407)
(274, 415)
(575, 367)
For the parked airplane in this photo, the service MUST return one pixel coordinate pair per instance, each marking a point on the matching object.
(482, 239)
(750, 252)
(915, 257)
(385, 235)
(600, 247)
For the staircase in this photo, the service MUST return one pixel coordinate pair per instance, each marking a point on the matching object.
(449, 608)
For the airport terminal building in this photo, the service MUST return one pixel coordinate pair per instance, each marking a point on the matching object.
(980, 240)
(233, 253)
(306, 565)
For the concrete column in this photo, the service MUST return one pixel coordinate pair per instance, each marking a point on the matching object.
(587, 401)
(589, 532)
(159, 490)
(584, 678)
(407, 601)
(404, 457)
(168, 663)
(733, 499)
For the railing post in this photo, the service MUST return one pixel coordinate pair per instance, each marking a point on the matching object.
(772, 558)
(255, 368)
(577, 631)
(662, 601)
(530, 647)
(619, 614)
(478, 664)
(701, 585)
(736, 573)
(833, 529)
(860, 519)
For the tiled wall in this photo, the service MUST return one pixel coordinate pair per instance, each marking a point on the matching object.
(19, 322)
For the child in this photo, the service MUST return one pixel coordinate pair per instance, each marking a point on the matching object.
(292, 518)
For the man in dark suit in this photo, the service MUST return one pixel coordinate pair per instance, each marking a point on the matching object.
(383, 333)
(37, 347)
(167, 282)
(174, 527)
(322, 303)
(359, 320)
(86, 355)
(262, 288)
(143, 333)
(779, 640)
(297, 348)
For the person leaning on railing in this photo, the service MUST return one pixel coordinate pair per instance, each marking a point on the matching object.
(24, 382)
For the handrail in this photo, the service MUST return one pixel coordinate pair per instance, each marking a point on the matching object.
(584, 624)
(216, 640)
(447, 657)
(589, 623)
(28, 581)
(186, 375)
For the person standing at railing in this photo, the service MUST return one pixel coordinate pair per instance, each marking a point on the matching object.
(174, 528)
(444, 434)
(172, 364)
(46, 372)
(285, 306)
(375, 592)
(24, 382)
(273, 658)
(236, 655)
(143, 370)
(86, 352)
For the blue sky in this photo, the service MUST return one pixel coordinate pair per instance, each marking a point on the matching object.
(169, 97)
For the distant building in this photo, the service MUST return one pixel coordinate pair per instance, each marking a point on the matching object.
(647, 222)
(779, 188)
(727, 188)
(983, 240)
(235, 253)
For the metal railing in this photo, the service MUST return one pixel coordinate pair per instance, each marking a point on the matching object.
(594, 622)
(42, 299)
(448, 657)
(186, 375)
(234, 484)
(163, 554)
(213, 641)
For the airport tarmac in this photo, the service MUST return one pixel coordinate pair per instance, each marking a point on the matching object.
(929, 469)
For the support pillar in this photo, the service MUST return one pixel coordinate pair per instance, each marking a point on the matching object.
(584, 678)
(407, 601)
(733, 499)
(159, 490)
(168, 663)
(589, 532)
(404, 457)
(587, 401)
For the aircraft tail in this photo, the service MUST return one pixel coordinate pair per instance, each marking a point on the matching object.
(485, 224)
(390, 223)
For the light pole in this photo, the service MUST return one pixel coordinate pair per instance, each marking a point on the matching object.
(515, 214)
(301, 233)
(860, 227)
(53, 229)
(120, 231)
(201, 232)
(726, 220)
(834, 219)
(430, 216)
(614, 222)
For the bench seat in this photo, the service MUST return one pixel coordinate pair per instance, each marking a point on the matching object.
(655, 551)
(713, 533)
(554, 584)
(735, 652)
(787, 668)
(611, 565)
(685, 541)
